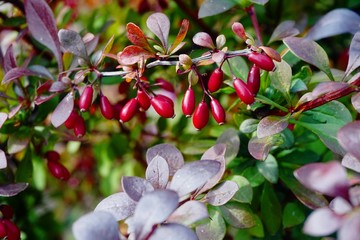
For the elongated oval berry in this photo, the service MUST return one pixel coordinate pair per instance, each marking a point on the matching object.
(7, 211)
(86, 99)
(166, 98)
(13, 232)
(263, 61)
(3, 232)
(215, 80)
(70, 122)
(217, 111)
(129, 110)
(201, 115)
(58, 170)
(164, 84)
(106, 108)
(253, 80)
(188, 102)
(163, 106)
(79, 127)
(243, 92)
(143, 99)
(52, 155)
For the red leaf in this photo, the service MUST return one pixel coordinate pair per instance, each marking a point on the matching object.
(133, 54)
(180, 36)
(137, 37)
(16, 73)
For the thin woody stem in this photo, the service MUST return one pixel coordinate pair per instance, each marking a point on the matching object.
(251, 11)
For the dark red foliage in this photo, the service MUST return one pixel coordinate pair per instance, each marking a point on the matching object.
(263, 61)
(201, 115)
(129, 110)
(243, 92)
(188, 102)
(253, 80)
(163, 105)
(217, 111)
(106, 108)
(215, 80)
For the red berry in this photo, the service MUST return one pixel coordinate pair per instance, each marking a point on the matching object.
(13, 232)
(129, 110)
(106, 108)
(143, 99)
(3, 232)
(201, 115)
(215, 80)
(188, 102)
(253, 80)
(86, 99)
(163, 106)
(123, 87)
(263, 61)
(164, 84)
(243, 92)
(58, 170)
(70, 122)
(79, 127)
(116, 110)
(217, 111)
(7, 211)
(52, 156)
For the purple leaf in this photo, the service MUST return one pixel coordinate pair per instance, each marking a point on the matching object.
(354, 195)
(211, 7)
(16, 73)
(58, 86)
(72, 42)
(171, 154)
(194, 175)
(355, 101)
(17, 143)
(283, 30)
(41, 71)
(203, 39)
(335, 22)
(340, 206)
(259, 148)
(3, 160)
(214, 228)
(215, 153)
(133, 54)
(350, 228)
(42, 26)
(322, 222)
(271, 125)
(3, 118)
(245, 192)
(231, 138)
(310, 52)
(153, 208)
(238, 215)
(173, 231)
(9, 59)
(349, 138)
(9, 190)
(188, 213)
(327, 178)
(354, 54)
(221, 194)
(157, 172)
(118, 204)
(326, 87)
(135, 187)
(96, 225)
(15, 110)
(159, 24)
(351, 162)
(63, 110)
(91, 41)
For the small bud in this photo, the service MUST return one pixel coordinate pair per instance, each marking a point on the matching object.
(217, 111)
(215, 80)
(201, 115)
(129, 110)
(243, 92)
(188, 102)
(86, 99)
(106, 108)
(163, 105)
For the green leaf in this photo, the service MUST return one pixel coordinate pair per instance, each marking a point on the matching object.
(25, 169)
(238, 215)
(269, 169)
(310, 52)
(239, 67)
(39, 172)
(271, 125)
(254, 176)
(281, 78)
(258, 229)
(293, 215)
(245, 192)
(270, 209)
(214, 228)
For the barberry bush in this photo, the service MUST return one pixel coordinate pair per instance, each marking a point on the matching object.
(179, 120)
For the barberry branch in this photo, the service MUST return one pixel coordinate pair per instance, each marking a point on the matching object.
(251, 11)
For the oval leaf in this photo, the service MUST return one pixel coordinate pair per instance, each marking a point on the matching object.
(354, 54)
(170, 153)
(72, 42)
(3, 118)
(271, 125)
(203, 39)
(355, 101)
(96, 225)
(351, 162)
(16, 73)
(281, 78)
(310, 52)
(269, 168)
(63, 110)
(135, 187)
(230, 137)
(213, 7)
(237, 215)
(214, 228)
(133, 54)
(153, 208)
(12, 189)
(221, 194)
(349, 138)
(239, 30)
(17, 143)
(180, 36)
(327, 178)
(188, 213)
(259, 148)
(159, 24)
(283, 30)
(194, 175)
(118, 204)
(9, 59)
(137, 37)
(335, 22)
(322, 222)
(350, 228)
(157, 172)
(3, 160)
(245, 192)
(173, 231)
(42, 26)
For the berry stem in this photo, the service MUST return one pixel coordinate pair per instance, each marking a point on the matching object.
(252, 13)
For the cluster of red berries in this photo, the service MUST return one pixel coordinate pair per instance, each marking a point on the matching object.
(8, 229)
(55, 167)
